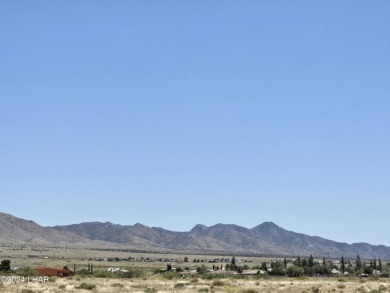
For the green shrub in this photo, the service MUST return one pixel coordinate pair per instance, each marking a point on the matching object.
(361, 290)
(84, 272)
(170, 275)
(341, 286)
(249, 291)
(209, 276)
(26, 272)
(117, 285)
(104, 274)
(150, 290)
(179, 285)
(5, 265)
(374, 278)
(203, 290)
(294, 271)
(201, 270)
(218, 283)
(132, 274)
(277, 272)
(86, 286)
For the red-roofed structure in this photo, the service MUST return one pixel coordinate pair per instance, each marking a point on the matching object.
(54, 272)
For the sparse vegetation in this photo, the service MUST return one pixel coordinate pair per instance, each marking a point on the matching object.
(148, 273)
(171, 275)
(26, 272)
(86, 286)
(104, 274)
(153, 284)
(218, 283)
(341, 286)
(249, 291)
(117, 285)
(179, 285)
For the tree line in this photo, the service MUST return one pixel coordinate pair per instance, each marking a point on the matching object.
(309, 266)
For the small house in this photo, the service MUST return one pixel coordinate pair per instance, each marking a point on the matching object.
(53, 272)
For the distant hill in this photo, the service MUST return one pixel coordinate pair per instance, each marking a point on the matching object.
(266, 239)
(17, 231)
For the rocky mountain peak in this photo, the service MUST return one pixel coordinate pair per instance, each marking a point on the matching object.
(199, 228)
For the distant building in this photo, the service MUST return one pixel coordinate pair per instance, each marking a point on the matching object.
(113, 270)
(336, 272)
(53, 272)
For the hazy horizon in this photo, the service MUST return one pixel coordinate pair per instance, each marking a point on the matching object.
(173, 114)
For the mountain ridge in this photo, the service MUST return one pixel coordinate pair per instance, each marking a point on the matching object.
(264, 239)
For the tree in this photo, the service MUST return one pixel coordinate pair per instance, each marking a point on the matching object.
(232, 266)
(202, 269)
(323, 261)
(342, 265)
(297, 262)
(368, 270)
(311, 261)
(358, 262)
(277, 272)
(322, 269)
(294, 271)
(186, 259)
(276, 265)
(5, 265)
(285, 263)
(380, 265)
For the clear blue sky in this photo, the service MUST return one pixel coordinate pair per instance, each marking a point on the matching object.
(174, 113)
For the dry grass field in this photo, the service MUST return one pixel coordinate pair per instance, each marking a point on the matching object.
(152, 282)
(158, 284)
(33, 256)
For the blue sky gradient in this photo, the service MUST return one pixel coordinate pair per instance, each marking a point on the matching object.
(174, 113)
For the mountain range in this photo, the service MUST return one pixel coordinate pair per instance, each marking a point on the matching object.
(264, 239)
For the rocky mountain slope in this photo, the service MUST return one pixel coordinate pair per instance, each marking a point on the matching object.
(17, 231)
(266, 239)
